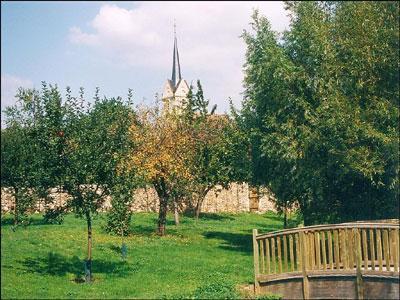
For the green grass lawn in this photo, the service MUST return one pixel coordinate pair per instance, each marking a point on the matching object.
(43, 261)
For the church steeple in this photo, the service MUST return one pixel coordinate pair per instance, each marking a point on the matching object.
(176, 67)
(176, 89)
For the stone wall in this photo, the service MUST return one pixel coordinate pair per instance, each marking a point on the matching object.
(235, 199)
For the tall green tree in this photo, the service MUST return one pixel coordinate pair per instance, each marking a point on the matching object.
(321, 108)
(96, 141)
(219, 155)
(31, 146)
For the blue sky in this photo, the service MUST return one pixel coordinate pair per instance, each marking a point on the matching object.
(121, 45)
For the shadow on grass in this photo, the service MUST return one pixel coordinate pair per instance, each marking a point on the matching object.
(232, 241)
(151, 230)
(58, 265)
(215, 217)
(143, 229)
(189, 213)
(9, 221)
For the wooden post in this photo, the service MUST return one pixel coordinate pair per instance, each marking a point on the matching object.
(278, 244)
(291, 253)
(304, 254)
(323, 240)
(262, 256)
(386, 250)
(273, 259)
(317, 250)
(311, 250)
(267, 256)
(357, 255)
(256, 266)
(330, 253)
(298, 256)
(379, 248)
(336, 249)
(372, 248)
(350, 245)
(365, 248)
(395, 250)
(344, 248)
(285, 254)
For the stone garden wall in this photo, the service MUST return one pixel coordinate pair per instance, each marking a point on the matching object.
(233, 200)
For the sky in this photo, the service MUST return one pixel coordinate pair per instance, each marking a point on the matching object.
(120, 45)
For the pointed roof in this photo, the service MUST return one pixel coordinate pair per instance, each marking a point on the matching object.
(176, 67)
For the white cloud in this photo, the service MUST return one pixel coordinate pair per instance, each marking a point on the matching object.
(208, 39)
(78, 37)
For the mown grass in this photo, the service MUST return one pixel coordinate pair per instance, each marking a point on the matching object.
(46, 261)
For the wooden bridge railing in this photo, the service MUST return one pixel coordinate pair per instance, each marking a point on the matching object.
(359, 248)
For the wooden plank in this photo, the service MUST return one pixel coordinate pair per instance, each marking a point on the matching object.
(358, 258)
(386, 250)
(323, 241)
(396, 250)
(350, 248)
(256, 263)
(278, 244)
(365, 248)
(291, 253)
(311, 248)
(372, 248)
(398, 246)
(392, 247)
(267, 256)
(298, 256)
(330, 253)
(326, 274)
(262, 256)
(336, 248)
(317, 250)
(344, 247)
(379, 248)
(303, 253)
(273, 261)
(285, 254)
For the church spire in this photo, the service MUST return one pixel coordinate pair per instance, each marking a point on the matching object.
(176, 67)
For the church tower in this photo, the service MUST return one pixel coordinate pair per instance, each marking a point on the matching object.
(176, 88)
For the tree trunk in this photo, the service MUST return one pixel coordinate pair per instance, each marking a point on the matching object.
(163, 195)
(162, 216)
(200, 200)
(198, 208)
(176, 214)
(88, 270)
(285, 218)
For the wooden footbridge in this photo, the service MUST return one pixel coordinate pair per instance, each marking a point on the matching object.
(341, 261)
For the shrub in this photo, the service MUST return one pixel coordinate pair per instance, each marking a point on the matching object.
(217, 287)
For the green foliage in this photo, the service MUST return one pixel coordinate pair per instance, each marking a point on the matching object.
(321, 109)
(21, 163)
(54, 216)
(216, 287)
(120, 215)
(219, 157)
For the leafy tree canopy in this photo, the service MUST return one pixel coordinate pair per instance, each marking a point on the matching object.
(321, 108)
